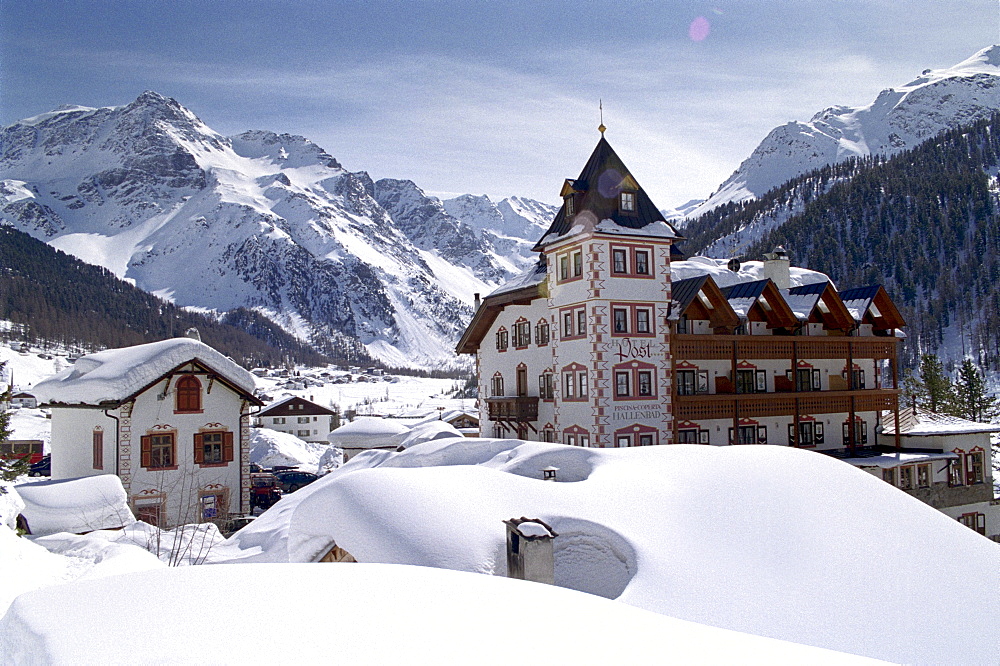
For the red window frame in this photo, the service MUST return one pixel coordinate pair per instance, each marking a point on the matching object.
(542, 331)
(226, 448)
(569, 264)
(503, 339)
(98, 444)
(575, 315)
(187, 393)
(522, 333)
(637, 435)
(146, 445)
(631, 263)
(632, 320)
(576, 436)
(575, 385)
(633, 370)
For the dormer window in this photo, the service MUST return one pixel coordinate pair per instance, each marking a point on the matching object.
(569, 206)
(627, 202)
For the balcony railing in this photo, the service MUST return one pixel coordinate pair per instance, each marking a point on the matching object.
(521, 409)
(755, 405)
(719, 347)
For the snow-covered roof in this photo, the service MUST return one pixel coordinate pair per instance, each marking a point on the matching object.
(75, 505)
(750, 271)
(114, 375)
(921, 423)
(887, 460)
(368, 432)
(529, 278)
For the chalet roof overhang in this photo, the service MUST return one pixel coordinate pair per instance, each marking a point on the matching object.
(488, 311)
(702, 289)
(777, 312)
(283, 408)
(199, 368)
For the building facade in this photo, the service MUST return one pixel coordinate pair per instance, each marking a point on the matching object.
(300, 417)
(171, 419)
(614, 339)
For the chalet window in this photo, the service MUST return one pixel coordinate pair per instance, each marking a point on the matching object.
(577, 264)
(642, 320)
(98, 442)
(542, 332)
(522, 334)
(642, 262)
(906, 477)
(974, 467)
(628, 202)
(569, 206)
(303, 419)
(569, 386)
(860, 433)
(570, 440)
(807, 379)
(685, 382)
(745, 381)
(810, 433)
(956, 472)
(584, 440)
(564, 267)
(858, 379)
(496, 385)
(645, 439)
(567, 331)
(158, 452)
(622, 382)
(581, 321)
(546, 386)
(188, 392)
(620, 316)
(645, 383)
(619, 260)
(687, 436)
(502, 340)
(581, 382)
(974, 521)
(301, 433)
(548, 435)
(889, 475)
(749, 434)
(215, 448)
(923, 476)
(682, 325)
(623, 441)
(279, 420)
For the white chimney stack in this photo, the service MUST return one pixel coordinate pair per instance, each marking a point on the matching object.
(776, 267)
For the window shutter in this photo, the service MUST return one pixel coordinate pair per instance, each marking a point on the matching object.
(146, 448)
(227, 447)
(199, 449)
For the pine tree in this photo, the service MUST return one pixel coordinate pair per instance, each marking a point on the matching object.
(972, 401)
(938, 392)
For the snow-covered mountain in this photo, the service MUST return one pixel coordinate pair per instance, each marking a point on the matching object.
(260, 220)
(898, 119)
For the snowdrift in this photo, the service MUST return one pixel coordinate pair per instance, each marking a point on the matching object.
(380, 622)
(75, 505)
(766, 540)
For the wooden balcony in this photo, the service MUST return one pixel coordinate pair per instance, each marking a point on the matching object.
(517, 410)
(757, 405)
(746, 347)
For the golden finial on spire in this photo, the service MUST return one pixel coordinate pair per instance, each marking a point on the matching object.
(601, 127)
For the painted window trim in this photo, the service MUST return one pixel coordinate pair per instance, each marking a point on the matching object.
(185, 388)
(630, 261)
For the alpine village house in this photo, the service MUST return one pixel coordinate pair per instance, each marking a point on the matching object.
(171, 419)
(616, 339)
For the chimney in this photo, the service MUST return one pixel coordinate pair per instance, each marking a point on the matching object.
(530, 554)
(478, 301)
(776, 267)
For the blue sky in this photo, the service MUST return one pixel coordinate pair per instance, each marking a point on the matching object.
(495, 98)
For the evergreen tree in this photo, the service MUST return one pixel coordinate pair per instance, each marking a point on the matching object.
(972, 400)
(938, 392)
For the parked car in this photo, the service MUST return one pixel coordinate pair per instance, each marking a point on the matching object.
(292, 481)
(42, 468)
(255, 468)
(264, 491)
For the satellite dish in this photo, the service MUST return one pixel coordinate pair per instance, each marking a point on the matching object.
(734, 265)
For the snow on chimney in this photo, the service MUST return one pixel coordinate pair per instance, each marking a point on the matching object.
(776, 267)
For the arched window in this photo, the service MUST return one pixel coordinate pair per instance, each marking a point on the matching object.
(188, 395)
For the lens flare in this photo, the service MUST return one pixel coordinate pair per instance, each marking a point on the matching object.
(699, 29)
(609, 183)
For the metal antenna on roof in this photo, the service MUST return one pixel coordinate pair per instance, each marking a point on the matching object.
(601, 127)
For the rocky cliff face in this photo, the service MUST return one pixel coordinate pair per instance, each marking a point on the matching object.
(260, 220)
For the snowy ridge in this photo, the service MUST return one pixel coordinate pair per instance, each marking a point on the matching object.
(898, 119)
(261, 220)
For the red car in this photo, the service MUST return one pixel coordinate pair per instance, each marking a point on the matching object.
(264, 490)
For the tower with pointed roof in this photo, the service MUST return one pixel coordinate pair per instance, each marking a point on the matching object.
(594, 329)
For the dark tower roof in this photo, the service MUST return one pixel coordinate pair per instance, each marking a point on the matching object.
(595, 197)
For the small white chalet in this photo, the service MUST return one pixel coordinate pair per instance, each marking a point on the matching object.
(171, 419)
(300, 417)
